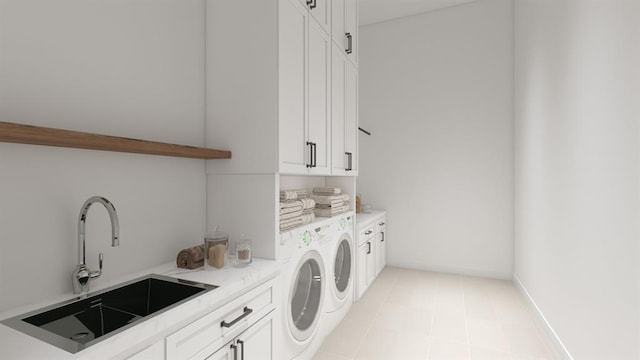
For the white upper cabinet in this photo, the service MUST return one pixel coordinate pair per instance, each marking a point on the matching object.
(318, 95)
(344, 115)
(295, 154)
(304, 67)
(338, 111)
(270, 86)
(321, 12)
(351, 118)
(344, 27)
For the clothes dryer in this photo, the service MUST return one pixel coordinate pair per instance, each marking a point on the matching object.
(339, 254)
(303, 276)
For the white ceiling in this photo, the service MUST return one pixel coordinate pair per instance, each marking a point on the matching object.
(373, 11)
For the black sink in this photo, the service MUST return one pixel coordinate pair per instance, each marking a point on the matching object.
(78, 324)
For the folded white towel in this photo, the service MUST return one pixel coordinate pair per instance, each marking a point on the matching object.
(291, 207)
(290, 224)
(330, 199)
(290, 215)
(332, 211)
(327, 191)
(332, 206)
(296, 221)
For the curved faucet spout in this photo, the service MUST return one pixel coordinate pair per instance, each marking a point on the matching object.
(82, 275)
(82, 219)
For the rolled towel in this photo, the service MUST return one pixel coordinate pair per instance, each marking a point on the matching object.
(288, 195)
(308, 203)
(327, 191)
(292, 194)
(191, 258)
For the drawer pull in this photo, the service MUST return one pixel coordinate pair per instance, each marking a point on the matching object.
(381, 224)
(368, 232)
(246, 313)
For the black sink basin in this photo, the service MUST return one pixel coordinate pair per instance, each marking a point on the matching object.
(77, 324)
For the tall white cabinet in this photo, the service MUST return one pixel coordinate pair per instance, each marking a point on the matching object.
(270, 87)
(282, 92)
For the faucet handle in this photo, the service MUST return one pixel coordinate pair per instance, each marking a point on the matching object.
(95, 274)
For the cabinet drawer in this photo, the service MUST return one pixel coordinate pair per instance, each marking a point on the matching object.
(381, 224)
(365, 234)
(204, 336)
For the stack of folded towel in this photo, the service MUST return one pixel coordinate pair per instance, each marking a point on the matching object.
(330, 201)
(295, 209)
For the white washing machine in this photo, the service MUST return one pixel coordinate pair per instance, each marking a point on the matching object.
(339, 254)
(303, 276)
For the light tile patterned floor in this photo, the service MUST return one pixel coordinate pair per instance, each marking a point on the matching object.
(411, 314)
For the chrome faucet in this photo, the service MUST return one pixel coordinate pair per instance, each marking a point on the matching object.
(82, 275)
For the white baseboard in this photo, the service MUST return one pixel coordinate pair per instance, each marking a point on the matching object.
(558, 346)
(453, 270)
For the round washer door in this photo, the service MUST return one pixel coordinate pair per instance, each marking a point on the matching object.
(342, 266)
(306, 296)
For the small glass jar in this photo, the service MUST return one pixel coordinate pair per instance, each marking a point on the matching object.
(243, 251)
(216, 250)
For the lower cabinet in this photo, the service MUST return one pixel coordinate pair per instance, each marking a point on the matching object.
(372, 253)
(240, 329)
(254, 343)
(381, 245)
(153, 352)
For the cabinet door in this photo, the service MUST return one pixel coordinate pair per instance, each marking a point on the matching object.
(382, 250)
(338, 23)
(257, 342)
(319, 125)
(227, 352)
(321, 12)
(338, 93)
(361, 283)
(351, 28)
(351, 118)
(382, 244)
(294, 152)
(371, 259)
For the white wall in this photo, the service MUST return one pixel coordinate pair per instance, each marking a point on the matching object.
(130, 68)
(576, 223)
(436, 92)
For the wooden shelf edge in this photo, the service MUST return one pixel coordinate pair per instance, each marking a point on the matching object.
(37, 135)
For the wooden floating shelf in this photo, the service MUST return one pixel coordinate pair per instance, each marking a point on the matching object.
(37, 135)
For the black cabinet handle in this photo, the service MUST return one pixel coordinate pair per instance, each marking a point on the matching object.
(349, 43)
(349, 161)
(310, 145)
(313, 4)
(241, 343)
(382, 236)
(235, 351)
(369, 250)
(368, 232)
(309, 2)
(246, 313)
(381, 224)
(314, 146)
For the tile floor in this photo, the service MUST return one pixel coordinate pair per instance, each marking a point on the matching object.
(411, 314)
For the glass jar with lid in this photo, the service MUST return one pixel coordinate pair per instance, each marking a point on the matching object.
(216, 250)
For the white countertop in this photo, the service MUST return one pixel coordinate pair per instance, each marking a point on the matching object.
(232, 283)
(364, 219)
